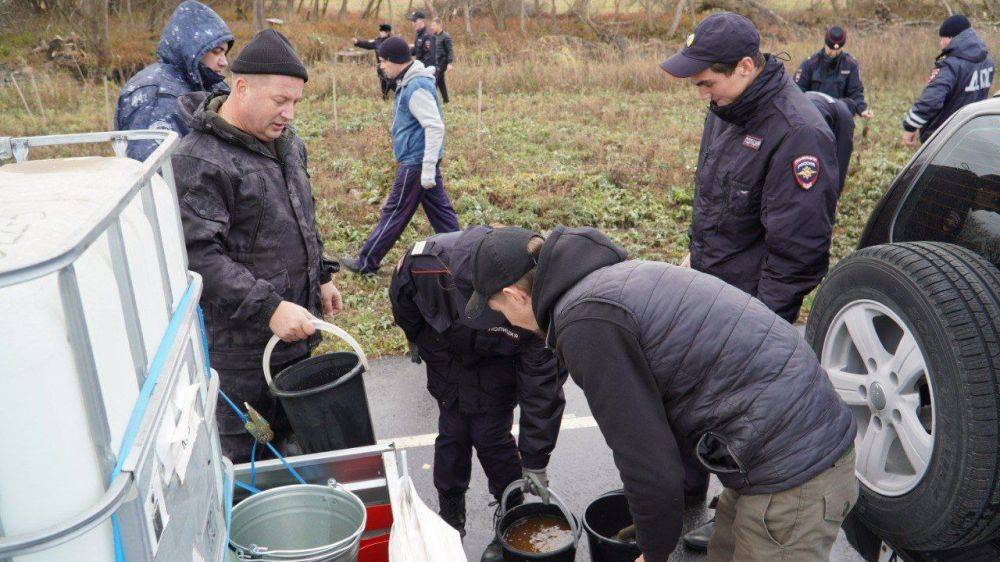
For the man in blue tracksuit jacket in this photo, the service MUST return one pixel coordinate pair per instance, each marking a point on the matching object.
(418, 144)
(962, 74)
(191, 57)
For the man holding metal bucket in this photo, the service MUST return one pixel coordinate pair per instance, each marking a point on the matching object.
(665, 355)
(250, 227)
(477, 372)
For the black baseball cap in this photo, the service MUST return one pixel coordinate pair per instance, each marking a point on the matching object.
(720, 38)
(498, 261)
(418, 15)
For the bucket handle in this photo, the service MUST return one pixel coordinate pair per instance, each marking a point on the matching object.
(574, 528)
(323, 327)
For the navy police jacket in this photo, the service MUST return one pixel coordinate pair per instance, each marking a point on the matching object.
(480, 369)
(838, 77)
(962, 74)
(766, 191)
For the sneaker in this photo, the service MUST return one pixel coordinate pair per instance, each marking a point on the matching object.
(351, 264)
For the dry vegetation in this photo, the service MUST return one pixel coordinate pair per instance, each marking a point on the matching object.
(573, 131)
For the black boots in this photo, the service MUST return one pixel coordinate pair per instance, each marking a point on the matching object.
(452, 510)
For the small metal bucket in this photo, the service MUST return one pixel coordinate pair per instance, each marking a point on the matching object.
(300, 523)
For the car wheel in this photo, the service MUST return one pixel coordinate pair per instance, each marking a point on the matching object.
(910, 336)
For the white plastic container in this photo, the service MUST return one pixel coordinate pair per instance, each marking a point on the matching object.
(50, 469)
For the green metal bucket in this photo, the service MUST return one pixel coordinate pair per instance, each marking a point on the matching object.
(300, 523)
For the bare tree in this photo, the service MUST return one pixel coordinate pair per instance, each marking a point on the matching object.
(258, 15)
(96, 28)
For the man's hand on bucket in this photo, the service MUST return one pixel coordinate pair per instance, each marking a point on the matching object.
(333, 303)
(291, 322)
(537, 483)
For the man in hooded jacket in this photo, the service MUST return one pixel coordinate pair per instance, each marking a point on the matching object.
(667, 355)
(962, 74)
(191, 57)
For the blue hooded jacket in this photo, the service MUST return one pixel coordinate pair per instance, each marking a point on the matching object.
(149, 99)
(962, 74)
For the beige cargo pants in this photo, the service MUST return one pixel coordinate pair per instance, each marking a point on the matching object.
(796, 525)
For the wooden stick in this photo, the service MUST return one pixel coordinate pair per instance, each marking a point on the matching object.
(20, 93)
(479, 114)
(336, 120)
(38, 97)
(107, 106)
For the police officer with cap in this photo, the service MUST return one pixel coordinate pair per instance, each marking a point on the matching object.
(962, 74)
(387, 84)
(835, 73)
(423, 41)
(767, 178)
(477, 371)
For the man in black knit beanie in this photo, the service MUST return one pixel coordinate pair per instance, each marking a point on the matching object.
(250, 229)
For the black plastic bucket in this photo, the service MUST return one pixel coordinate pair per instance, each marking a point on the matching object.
(602, 520)
(325, 401)
(324, 397)
(556, 509)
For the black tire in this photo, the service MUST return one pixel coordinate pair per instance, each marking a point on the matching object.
(949, 298)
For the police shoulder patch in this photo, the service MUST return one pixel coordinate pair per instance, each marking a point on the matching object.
(806, 170)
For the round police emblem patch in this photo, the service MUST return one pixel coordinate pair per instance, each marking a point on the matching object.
(806, 170)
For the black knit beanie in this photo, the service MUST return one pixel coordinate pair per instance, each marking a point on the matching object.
(395, 49)
(384, 27)
(836, 37)
(954, 25)
(269, 52)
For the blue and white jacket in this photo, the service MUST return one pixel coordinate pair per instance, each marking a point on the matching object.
(417, 126)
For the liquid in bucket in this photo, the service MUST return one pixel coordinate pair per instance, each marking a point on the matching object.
(539, 534)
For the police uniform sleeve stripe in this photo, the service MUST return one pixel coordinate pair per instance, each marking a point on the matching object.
(916, 120)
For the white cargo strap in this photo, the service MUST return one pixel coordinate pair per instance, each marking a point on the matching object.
(324, 327)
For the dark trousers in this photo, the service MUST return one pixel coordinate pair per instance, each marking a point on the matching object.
(248, 386)
(404, 198)
(387, 85)
(490, 434)
(441, 85)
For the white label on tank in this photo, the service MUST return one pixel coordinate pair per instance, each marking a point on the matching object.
(157, 516)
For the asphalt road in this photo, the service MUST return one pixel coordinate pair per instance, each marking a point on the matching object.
(581, 468)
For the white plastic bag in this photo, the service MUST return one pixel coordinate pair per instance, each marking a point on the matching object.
(419, 534)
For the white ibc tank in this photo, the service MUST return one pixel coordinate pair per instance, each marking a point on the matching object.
(50, 469)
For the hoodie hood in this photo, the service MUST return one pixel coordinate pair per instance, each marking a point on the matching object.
(569, 255)
(967, 45)
(193, 30)
(417, 69)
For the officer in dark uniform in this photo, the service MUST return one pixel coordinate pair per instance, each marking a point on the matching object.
(387, 84)
(423, 41)
(835, 73)
(477, 372)
(444, 56)
(838, 116)
(962, 74)
(767, 180)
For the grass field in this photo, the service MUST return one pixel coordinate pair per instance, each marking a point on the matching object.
(566, 137)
